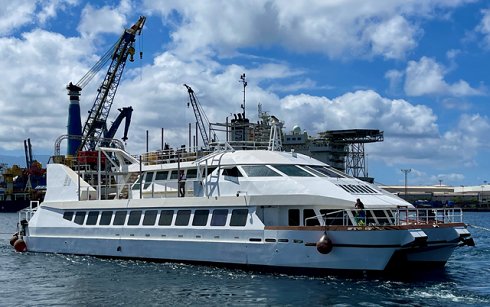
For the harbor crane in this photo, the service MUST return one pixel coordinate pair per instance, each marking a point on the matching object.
(201, 117)
(95, 128)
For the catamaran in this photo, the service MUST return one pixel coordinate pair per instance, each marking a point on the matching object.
(269, 209)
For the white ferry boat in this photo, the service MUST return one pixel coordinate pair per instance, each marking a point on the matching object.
(265, 209)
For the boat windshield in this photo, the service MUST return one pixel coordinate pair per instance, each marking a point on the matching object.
(328, 171)
(292, 170)
(259, 171)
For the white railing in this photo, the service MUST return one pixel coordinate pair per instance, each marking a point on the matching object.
(389, 217)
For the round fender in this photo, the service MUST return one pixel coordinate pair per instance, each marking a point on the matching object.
(20, 246)
(324, 245)
(14, 238)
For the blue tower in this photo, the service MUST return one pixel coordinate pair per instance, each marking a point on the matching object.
(74, 120)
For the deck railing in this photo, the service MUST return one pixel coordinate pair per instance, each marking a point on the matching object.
(388, 217)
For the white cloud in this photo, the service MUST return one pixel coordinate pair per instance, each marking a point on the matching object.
(392, 38)
(15, 14)
(484, 27)
(338, 29)
(395, 78)
(426, 77)
(102, 20)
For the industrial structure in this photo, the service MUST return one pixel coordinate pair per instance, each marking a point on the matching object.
(95, 131)
(342, 149)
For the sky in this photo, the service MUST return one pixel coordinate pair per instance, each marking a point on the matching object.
(415, 69)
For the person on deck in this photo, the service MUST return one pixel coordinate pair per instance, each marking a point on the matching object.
(360, 214)
(182, 184)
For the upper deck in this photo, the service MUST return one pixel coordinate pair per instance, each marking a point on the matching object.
(280, 177)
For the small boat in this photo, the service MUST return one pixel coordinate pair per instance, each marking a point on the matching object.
(265, 209)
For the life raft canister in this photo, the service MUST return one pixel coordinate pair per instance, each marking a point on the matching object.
(324, 245)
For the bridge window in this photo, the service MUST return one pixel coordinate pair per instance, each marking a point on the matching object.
(174, 175)
(161, 175)
(136, 185)
(328, 171)
(292, 170)
(191, 173)
(314, 171)
(259, 171)
(232, 172)
(148, 179)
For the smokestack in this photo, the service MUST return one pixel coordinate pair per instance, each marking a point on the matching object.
(74, 120)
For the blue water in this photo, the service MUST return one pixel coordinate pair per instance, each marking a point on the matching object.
(31, 279)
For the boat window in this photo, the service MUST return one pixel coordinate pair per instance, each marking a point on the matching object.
(309, 217)
(166, 217)
(382, 218)
(68, 215)
(233, 172)
(119, 218)
(92, 218)
(292, 170)
(136, 185)
(161, 175)
(105, 218)
(239, 217)
(200, 218)
(150, 217)
(259, 171)
(148, 179)
(219, 217)
(79, 217)
(314, 171)
(134, 217)
(293, 217)
(210, 170)
(174, 175)
(332, 218)
(183, 217)
(191, 173)
(328, 171)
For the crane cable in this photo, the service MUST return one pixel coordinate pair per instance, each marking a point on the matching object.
(98, 66)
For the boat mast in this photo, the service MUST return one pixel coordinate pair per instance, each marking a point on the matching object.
(244, 81)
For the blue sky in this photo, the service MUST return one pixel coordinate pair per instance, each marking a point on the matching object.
(416, 69)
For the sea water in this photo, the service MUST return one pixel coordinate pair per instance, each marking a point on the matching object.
(33, 279)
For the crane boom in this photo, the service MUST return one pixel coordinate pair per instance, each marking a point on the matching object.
(200, 115)
(96, 121)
